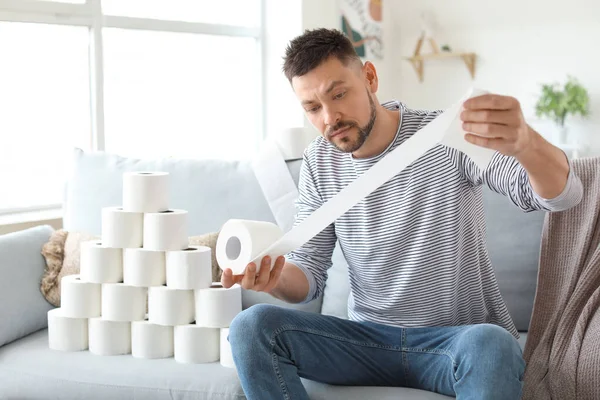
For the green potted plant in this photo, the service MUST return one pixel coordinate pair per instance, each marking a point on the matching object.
(557, 103)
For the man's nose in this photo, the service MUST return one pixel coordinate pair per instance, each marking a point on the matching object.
(331, 116)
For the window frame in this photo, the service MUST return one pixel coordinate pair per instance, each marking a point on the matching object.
(89, 14)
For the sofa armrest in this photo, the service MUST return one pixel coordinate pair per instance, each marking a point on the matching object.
(23, 308)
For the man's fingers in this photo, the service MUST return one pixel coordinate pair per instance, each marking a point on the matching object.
(489, 143)
(490, 102)
(501, 117)
(263, 274)
(228, 279)
(489, 130)
(275, 274)
(249, 276)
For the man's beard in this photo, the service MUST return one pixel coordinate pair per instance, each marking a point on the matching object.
(348, 145)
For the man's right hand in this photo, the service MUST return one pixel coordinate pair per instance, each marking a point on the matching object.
(265, 281)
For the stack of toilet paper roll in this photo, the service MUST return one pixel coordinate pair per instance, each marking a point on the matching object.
(141, 289)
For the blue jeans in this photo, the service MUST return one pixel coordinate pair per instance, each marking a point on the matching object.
(274, 346)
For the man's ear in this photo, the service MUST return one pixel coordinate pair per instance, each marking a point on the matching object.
(370, 74)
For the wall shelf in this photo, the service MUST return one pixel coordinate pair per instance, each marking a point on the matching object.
(418, 60)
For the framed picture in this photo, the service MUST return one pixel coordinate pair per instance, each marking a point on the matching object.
(361, 23)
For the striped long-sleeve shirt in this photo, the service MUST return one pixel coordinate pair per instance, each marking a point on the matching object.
(416, 246)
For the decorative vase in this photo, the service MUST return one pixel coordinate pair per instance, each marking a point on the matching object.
(563, 134)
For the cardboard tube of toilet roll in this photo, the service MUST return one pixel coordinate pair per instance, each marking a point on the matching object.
(121, 228)
(100, 263)
(170, 307)
(151, 341)
(445, 129)
(143, 267)
(146, 192)
(65, 333)
(121, 302)
(190, 268)
(166, 231)
(196, 345)
(79, 299)
(216, 306)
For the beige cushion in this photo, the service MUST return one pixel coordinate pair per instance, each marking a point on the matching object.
(62, 254)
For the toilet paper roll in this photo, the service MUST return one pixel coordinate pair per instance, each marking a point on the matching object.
(79, 299)
(216, 306)
(143, 267)
(122, 302)
(100, 263)
(146, 192)
(226, 354)
(195, 344)
(150, 340)
(65, 333)
(240, 241)
(190, 268)
(167, 306)
(166, 231)
(109, 338)
(120, 228)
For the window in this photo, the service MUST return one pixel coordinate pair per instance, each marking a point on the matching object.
(45, 105)
(229, 12)
(168, 78)
(180, 94)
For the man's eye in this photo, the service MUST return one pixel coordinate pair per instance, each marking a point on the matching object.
(312, 110)
(339, 95)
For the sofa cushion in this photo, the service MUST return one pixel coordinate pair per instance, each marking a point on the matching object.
(513, 242)
(22, 306)
(29, 370)
(212, 191)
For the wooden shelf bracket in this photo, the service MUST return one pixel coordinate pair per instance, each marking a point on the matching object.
(418, 59)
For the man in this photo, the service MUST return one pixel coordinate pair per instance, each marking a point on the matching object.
(425, 309)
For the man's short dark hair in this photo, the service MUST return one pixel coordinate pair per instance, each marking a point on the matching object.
(309, 50)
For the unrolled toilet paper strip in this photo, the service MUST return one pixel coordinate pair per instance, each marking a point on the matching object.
(293, 141)
(195, 344)
(216, 306)
(226, 353)
(276, 183)
(143, 267)
(190, 268)
(444, 129)
(109, 338)
(151, 341)
(79, 299)
(166, 231)
(120, 228)
(170, 307)
(66, 334)
(122, 302)
(100, 263)
(146, 192)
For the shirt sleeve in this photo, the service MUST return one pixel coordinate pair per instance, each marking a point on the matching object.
(505, 175)
(314, 257)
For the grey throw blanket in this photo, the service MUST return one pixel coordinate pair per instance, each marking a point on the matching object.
(563, 345)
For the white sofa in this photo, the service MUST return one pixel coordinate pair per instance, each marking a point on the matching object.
(212, 192)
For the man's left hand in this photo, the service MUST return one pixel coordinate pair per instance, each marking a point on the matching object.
(497, 122)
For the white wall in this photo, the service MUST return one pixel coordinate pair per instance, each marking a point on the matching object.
(520, 44)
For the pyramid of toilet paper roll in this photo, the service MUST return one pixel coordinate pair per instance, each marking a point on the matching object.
(141, 289)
